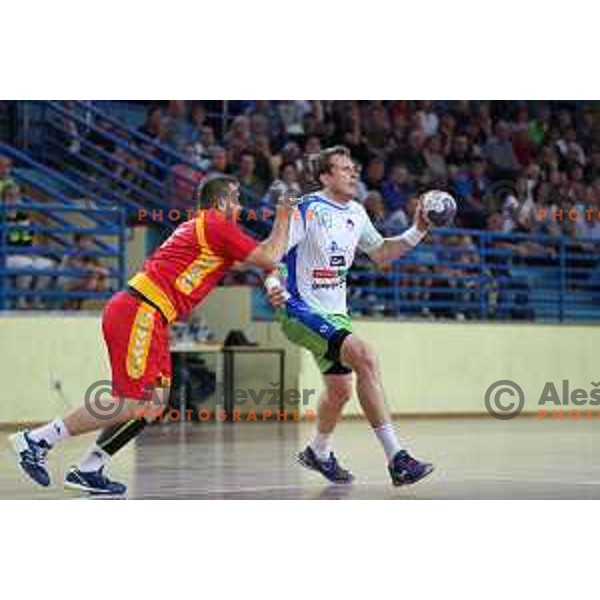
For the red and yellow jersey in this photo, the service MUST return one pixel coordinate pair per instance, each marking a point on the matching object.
(191, 263)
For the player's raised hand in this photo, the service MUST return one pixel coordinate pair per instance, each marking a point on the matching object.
(420, 220)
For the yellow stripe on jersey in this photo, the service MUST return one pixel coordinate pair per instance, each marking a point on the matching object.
(206, 263)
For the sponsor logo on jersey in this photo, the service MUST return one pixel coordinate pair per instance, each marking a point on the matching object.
(325, 273)
(349, 224)
(337, 261)
(334, 247)
(329, 279)
(324, 218)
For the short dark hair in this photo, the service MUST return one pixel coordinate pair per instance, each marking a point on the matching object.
(213, 188)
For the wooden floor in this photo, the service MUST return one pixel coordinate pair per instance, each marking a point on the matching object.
(474, 458)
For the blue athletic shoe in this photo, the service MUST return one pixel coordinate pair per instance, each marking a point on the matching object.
(93, 482)
(329, 467)
(32, 456)
(405, 470)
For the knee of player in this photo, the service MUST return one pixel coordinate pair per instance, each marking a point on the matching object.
(365, 361)
(340, 394)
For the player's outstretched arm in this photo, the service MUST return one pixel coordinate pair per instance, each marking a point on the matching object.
(269, 253)
(395, 247)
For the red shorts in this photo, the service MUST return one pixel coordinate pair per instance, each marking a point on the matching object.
(137, 338)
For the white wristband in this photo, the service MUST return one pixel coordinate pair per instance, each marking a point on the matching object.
(413, 236)
(272, 282)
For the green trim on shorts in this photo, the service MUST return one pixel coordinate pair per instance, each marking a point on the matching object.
(301, 335)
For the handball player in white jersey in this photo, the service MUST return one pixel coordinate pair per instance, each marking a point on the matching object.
(321, 249)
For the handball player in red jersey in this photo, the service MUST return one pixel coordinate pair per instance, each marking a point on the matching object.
(135, 325)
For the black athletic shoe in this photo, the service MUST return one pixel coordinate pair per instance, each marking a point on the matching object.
(406, 470)
(32, 457)
(329, 467)
(93, 482)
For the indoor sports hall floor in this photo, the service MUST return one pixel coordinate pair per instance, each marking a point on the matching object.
(474, 458)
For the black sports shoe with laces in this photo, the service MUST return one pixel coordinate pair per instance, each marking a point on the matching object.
(328, 467)
(405, 470)
(93, 482)
(32, 456)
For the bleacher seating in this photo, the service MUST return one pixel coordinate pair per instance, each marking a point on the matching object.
(94, 152)
(59, 210)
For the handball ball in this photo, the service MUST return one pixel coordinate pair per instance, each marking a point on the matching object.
(439, 207)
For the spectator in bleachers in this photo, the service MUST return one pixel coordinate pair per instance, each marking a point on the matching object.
(312, 145)
(239, 136)
(265, 162)
(207, 138)
(253, 188)
(177, 127)
(518, 208)
(375, 174)
(290, 176)
(500, 153)
(219, 161)
(460, 153)
(375, 208)
(434, 157)
(470, 190)
(5, 173)
(411, 154)
(153, 126)
(290, 154)
(397, 188)
(198, 120)
(291, 113)
(91, 275)
(100, 146)
(20, 236)
(185, 177)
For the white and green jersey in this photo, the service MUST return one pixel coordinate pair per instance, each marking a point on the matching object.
(323, 239)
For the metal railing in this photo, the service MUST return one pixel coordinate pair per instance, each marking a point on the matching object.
(114, 160)
(481, 275)
(52, 270)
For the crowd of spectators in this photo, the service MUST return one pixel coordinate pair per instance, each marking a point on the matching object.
(513, 167)
(512, 158)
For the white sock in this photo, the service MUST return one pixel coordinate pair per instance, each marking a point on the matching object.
(320, 444)
(52, 432)
(386, 434)
(94, 459)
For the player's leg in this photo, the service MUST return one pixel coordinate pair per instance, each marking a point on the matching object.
(136, 338)
(314, 332)
(143, 371)
(88, 474)
(32, 447)
(358, 355)
(318, 454)
(337, 392)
